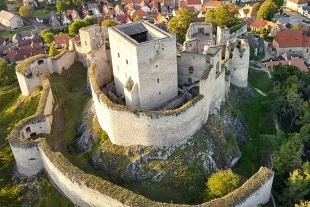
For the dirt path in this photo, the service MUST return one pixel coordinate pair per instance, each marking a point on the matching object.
(59, 121)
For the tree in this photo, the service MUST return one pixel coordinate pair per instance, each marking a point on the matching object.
(179, 24)
(53, 51)
(7, 73)
(3, 5)
(267, 10)
(222, 182)
(61, 6)
(226, 14)
(298, 185)
(257, 6)
(137, 18)
(296, 26)
(47, 36)
(109, 23)
(26, 11)
(264, 32)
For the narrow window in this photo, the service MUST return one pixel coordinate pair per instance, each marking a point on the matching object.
(127, 62)
(28, 129)
(118, 55)
(157, 80)
(156, 66)
(190, 69)
(85, 43)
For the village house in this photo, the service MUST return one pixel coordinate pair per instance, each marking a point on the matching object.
(143, 5)
(272, 27)
(208, 5)
(19, 53)
(247, 12)
(10, 20)
(296, 62)
(297, 4)
(292, 40)
(142, 14)
(26, 38)
(61, 41)
(118, 10)
(123, 19)
(153, 7)
(158, 18)
(197, 4)
(108, 13)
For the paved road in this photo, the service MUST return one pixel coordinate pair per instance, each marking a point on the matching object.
(295, 18)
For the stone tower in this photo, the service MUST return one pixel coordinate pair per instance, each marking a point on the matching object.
(222, 35)
(144, 64)
(238, 52)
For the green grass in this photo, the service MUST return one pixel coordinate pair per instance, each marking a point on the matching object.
(11, 33)
(259, 120)
(69, 90)
(49, 195)
(43, 11)
(260, 80)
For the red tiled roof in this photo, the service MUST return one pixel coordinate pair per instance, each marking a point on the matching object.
(249, 10)
(15, 54)
(259, 23)
(193, 2)
(249, 21)
(122, 18)
(62, 39)
(300, 1)
(291, 38)
(183, 4)
(210, 5)
(296, 62)
(159, 18)
(140, 13)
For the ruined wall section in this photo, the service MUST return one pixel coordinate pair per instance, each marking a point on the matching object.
(238, 53)
(88, 190)
(29, 70)
(25, 151)
(190, 67)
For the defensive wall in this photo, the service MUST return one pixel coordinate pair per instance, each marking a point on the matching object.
(28, 71)
(128, 126)
(88, 190)
(25, 150)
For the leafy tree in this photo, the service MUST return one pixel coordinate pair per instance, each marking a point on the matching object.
(77, 25)
(179, 24)
(3, 5)
(257, 6)
(222, 182)
(7, 73)
(26, 11)
(47, 36)
(279, 3)
(137, 18)
(109, 23)
(267, 10)
(210, 16)
(264, 32)
(61, 6)
(53, 51)
(226, 14)
(298, 185)
(296, 26)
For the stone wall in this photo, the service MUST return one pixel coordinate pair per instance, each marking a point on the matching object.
(28, 71)
(25, 151)
(128, 126)
(88, 190)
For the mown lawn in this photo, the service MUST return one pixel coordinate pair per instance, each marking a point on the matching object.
(43, 11)
(11, 33)
(259, 119)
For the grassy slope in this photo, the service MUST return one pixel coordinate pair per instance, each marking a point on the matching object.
(259, 119)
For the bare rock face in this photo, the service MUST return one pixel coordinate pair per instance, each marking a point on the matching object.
(85, 129)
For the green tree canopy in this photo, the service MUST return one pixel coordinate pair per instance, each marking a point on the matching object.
(264, 32)
(267, 10)
(26, 11)
(257, 6)
(77, 25)
(179, 24)
(53, 51)
(7, 73)
(222, 182)
(3, 5)
(47, 36)
(109, 23)
(61, 6)
(226, 14)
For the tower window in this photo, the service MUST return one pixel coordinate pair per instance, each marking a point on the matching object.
(157, 80)
(127, 62)
(156, 66)
(118, 55)
(190, 69)
(85, 43)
